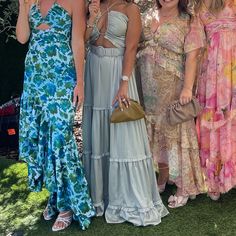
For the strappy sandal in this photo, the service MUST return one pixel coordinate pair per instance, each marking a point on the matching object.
(66, 220)
(177, 201)
(46, 214)
(214, 196)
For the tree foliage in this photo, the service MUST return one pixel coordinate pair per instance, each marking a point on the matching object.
(9, 11)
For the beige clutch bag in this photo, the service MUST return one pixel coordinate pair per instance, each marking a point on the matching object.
(132, 113)
(177, 113)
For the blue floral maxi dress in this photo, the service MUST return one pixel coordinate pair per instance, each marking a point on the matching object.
(47, 143)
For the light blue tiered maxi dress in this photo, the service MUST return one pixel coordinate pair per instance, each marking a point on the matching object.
(117, 159)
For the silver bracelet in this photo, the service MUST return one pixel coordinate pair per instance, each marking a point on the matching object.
(125, 78)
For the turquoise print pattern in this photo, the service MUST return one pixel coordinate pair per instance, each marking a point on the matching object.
(47, 143)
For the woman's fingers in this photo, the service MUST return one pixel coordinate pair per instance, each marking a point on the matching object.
(75, 99)
(78, 97)
(115, 100)
(185, 100)
(80, 102)
(93, 7)
(120, 104)
(125, 101)
(93, 10)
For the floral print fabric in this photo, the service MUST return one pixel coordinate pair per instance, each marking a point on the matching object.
(217, 94)
(46, 118)
(161, 63)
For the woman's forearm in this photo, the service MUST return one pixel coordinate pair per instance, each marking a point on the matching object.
(22, 26)
(89, 28)
(129, 60)
(78, 34)
(191, 69)
(78, 52)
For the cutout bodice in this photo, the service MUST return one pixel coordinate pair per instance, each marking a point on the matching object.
(116, 29)
(58, 20)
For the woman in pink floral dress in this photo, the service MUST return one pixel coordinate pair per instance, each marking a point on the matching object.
(217, 93)
(167, 61)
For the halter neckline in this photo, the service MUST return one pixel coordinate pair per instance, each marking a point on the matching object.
(52, 7)
(49, 10)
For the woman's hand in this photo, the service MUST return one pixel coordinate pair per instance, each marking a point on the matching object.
(122, 95)
(78, 97)
(94, 9)
(186, 96)
(22, 2)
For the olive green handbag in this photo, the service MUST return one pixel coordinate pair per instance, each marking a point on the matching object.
(132, 113)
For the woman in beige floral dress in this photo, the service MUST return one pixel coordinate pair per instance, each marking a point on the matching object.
(167, 61)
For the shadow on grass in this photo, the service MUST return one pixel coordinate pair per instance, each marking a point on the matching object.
(20, 211)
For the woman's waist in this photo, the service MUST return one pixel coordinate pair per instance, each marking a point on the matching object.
(161, 51)
(102, 51)
(52, 48)
(171, 62)
(50, 36)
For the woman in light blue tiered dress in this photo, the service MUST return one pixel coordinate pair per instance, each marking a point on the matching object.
(117, 158)
(46, 137)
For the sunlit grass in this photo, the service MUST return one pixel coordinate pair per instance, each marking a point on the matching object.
(18, 207)
(20, 211)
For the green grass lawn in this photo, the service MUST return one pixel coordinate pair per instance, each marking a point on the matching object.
(20, 211)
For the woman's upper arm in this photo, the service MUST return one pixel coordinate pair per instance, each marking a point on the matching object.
(195, 38)
(78, 20)
(134, 26)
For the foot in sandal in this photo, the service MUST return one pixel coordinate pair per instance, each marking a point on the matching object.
(214, 196)
(48, 214)
(63, 220)
(175, 201)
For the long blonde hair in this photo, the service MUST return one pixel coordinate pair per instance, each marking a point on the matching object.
(216, 5)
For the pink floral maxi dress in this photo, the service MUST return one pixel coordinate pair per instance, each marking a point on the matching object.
(161, 61)
(217, 93)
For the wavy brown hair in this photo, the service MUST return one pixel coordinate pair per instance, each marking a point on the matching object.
(216, 5)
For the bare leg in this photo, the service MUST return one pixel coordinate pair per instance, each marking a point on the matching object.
(163, 176)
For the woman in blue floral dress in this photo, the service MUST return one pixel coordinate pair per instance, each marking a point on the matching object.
(53, 75)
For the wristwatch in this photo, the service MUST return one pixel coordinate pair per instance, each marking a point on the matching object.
(125, 78)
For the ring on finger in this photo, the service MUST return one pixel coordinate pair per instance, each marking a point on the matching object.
(123, 99)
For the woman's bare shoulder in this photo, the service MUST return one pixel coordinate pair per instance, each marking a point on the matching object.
(132, 9)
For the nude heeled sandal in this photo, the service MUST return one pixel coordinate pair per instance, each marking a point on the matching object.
(177, 201)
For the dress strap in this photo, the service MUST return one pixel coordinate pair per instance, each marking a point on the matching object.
(100, 15)
(106, 11)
